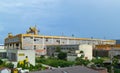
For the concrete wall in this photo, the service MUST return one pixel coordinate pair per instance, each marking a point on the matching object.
(114, 52)
(88, 51)
(23, 53)
(20, 55)
(28, 43)
(71, 58)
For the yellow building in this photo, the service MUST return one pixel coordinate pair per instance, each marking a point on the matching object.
(32, 40)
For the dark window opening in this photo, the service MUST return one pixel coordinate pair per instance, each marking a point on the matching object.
(34, 39)
(31, 37)
(17, 44)
(23, 37)
(58, 41)
(34, 47)
(10, 44)
(13, 57)
(46, 39)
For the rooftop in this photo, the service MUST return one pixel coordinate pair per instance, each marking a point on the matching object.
(75, 69)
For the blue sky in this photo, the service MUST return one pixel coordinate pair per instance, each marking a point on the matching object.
(83, 18)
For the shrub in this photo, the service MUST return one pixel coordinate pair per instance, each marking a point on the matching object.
(98, 62)
(81, 61)
(10, 65)
(55, 62)
(62, 55)
(1, 62)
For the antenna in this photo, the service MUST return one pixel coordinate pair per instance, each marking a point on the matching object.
(72, 35)
(62, 34)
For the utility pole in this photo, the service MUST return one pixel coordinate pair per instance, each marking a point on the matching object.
(112, 70)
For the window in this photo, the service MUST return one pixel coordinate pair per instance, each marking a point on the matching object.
(34, 39)
(58, 41)
(17, 44)
(23, 37)
(3, 55)
(34, 47)
(13, 57)
(73, 48)
(31, 37)
(46, 39)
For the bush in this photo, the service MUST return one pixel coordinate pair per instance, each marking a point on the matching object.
(81, 61)
(116, 70)
(55, 62)
(62, 56)
(10, 65)
(61, 63)
(58, 49)
(38, 67)
(40, 60)
(42, 56)
(98, 62)
(1, 62)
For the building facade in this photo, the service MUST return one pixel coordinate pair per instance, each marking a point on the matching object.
(32, 40)
(114, 52)
(103, 50)
(73, 51)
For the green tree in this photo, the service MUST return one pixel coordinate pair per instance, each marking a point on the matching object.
(58, 49)
(82, 54)
(62, 56)
(1, 62)
(117, 56)
(10, 65)
(115, 61)
(42, 56)
(81, 51)
(81, 61)
(55, 62)
(98, 62)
